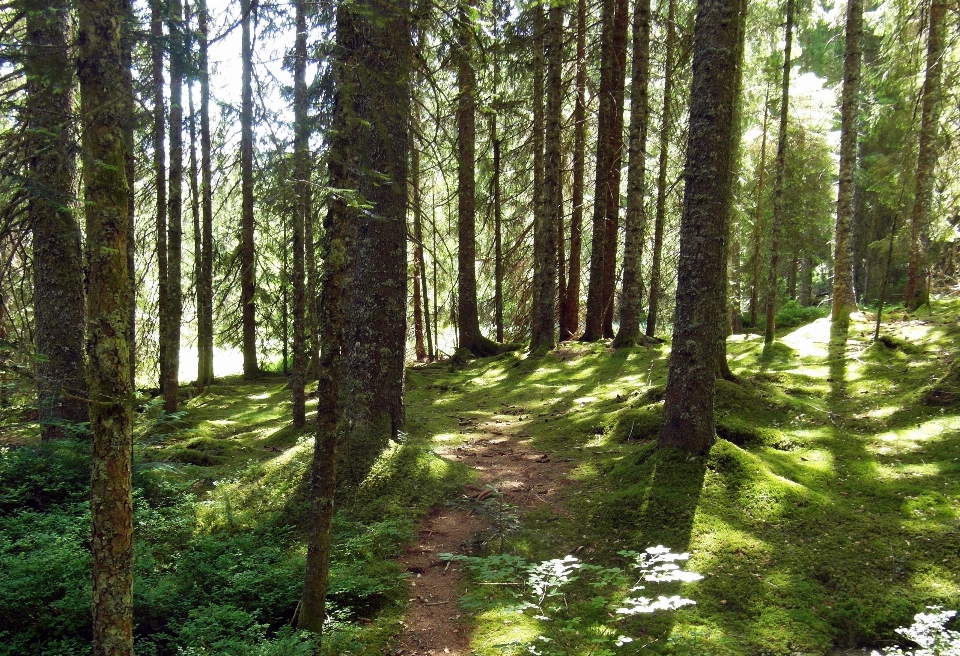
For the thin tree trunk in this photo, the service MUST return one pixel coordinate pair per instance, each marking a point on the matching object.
(612, 224)
(174, 311)
(420, 267)
(777, 227)
(543, 335)
(497, 230)
(666, 128)
(104, 101)
(51, 182)
(758, 218)
(918, 272)
(248, 281)
(160, 175)
(571, 322)
(844, 300)
(806, 280)
(468, 325)
(197, 228)
(688, 419)
(129, 30)
(301, 215)
(636, 220)
(205, 285)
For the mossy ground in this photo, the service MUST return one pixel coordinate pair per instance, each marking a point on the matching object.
(825, 516)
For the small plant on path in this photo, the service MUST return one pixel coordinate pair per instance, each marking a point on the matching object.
(580, 605)
(930, 632)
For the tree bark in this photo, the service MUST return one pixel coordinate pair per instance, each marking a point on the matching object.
(375, 307)
(606, 205)
(248, 280)
(160, 178)
(844, 300)
(666, 129)
(918, 272)
(205, 283)
(497, 231)
(368, 155)
(174, 311)
(468, 325)
(570, 323)
(543, 334)
(776, 227)
(758, 219)
(688, 421)
(301, 214)
(636, 220)
(104, 100)
(58, 294)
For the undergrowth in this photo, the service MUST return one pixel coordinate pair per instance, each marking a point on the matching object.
(825, 516)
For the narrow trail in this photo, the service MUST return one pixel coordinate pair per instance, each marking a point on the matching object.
(499, 451)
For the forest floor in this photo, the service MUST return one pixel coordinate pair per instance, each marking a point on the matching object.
(826, 516)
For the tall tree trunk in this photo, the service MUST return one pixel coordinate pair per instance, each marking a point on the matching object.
(612, 224)
(419, 263)
(174, 311)
(666, 129)
(160, 177)
(918, 273)
(301, 214)
(806, 280)
(468, 325)
(758, 218)
(844, 300)
(629, 333)
(497, 230)
(197, 227)
(571, 307)
(248, 280)
(543, 335)
(205, 284)
(688, 421)
(104, 100)
(51, 181)
(606, 204)
(129, 31)
(777, 227)
(369, 155)
(375, 307)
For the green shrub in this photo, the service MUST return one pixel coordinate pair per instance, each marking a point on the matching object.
(792, 314)
(49, 474)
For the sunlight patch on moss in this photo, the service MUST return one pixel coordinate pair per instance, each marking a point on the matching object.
(503, 632)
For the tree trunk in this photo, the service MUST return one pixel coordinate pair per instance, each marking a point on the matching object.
(629, 333)
(368, 154)
(205, 284)
(195, 217)
(844, 300)
(918, 272)
(375, 306)
(104, 100)
(758, 218)
(51, 182)
(129, 30)
(571, 307)
(248, 282)
(468, 325)
(666, 128)
(606, 205)
(777, 227)
(301, 214)
(419, 263)
(160, 176)
(806, 280)
(497, 230)
(174, 312)
(688, 421)
(543, 335)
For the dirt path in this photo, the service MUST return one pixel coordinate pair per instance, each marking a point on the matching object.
(498, 450)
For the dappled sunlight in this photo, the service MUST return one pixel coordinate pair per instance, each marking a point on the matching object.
(810, 340)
